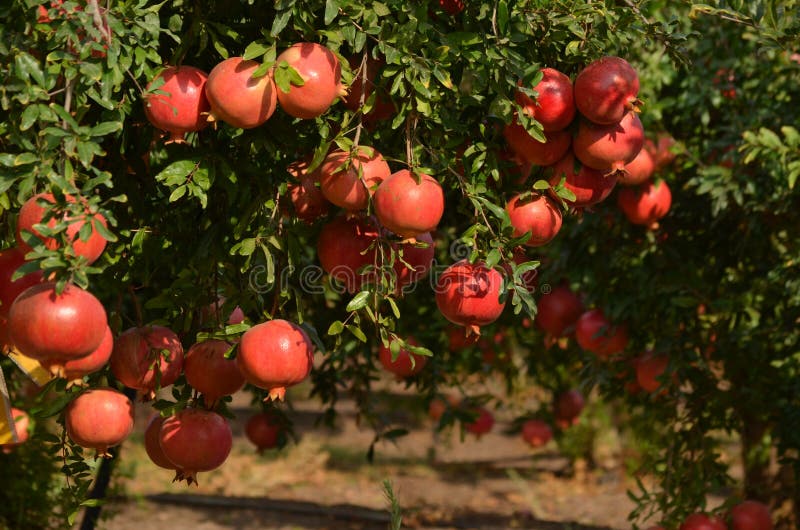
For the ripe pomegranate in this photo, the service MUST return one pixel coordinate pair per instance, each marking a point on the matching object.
(274, 355)
(701, 521)
(195, 440)
(307, 199)
(184, 108)
(321, 72)
(419, 255)
(609, 147)
(606, 89)
(661, 151)
(568, 408)
(459, 338)
(536, 432)
(595, 334)
(532, 150)
(152, 443)
(539, 215)
(210, 315)
(452, 7)
(646, 204)
(55, 328)
(482, 424)
(147, 358)
(75, 369)
(343, 248)
(638, 170)
(382, 108)
(210, 373)
(649, 368)
(751, 515)
(348, 182)
(589, 185)
(236, 97)
(558, 311)
(554, 107)
(21, 426)
(32, 213)
(406, 364)
(406, 207)
(10, 260)
(264, 430)
(468, 294)
(98, 419)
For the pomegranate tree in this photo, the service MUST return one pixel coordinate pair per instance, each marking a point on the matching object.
(195, 440)
(606, 89)
(596, 334)
(589, 185)
(209, 372)
(184, 107)
(346, 249)
(409, 205)
(406, 364)
(10, 260)
(537, 433)
(609, 147)
(468, 294)
(558, 311)
(98, 419)
(264, 430)
(321, 74)
(645, 204)
(348, 180)
(236, 97)
(538, 215)
(554, 107)
(147, 358)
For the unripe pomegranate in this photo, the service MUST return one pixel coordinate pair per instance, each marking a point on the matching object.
(274, 355)
(589, 185)
(98, 419)
(609, 147)
(649, 368)
(152, 443)
(185, 107)
(210, 373)
(539, 215)
(568, 407)
(343, 248)
(532, 150)
(74, 370)
(701, 521)
(595, 334)
(554, 107)
(406, 207)
(349, 182)
(56, 328)
(638, 170)
(321, 72)
(536, 432)
(195, 440)
(751, 515)
(264, 430)
(482, 424)
(236, 97)
(147, 358)
(20, 426)
(606, 89)
(646, 204)
(413, 260)
(10, 260)
(468, 294)
(558, 311)
(406, 364)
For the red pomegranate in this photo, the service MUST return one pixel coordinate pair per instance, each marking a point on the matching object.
(568, 407)
(751, 515)
(558, 311)
(33, 213)
(264, 430)
(609, 147)
(407, 207)
(307, 199)
(540, 216)
(595, 334)
(210, 373)
(661, 150)
(650, 367)
(195, 440)
(21, 427)
(452, 7)
(98, 419)
(147, 358)
(459, 338)
(55, 328)
(236, 97)
(321, 72)
(482, 424)
(184, 108)
(152, 443)
(439, 405)
(468, 294)
(414, 260)
(274, 355)
(701, 521)
(638, 170)
(406, 364)
(606, 89)
(532, 150)
(347, 246)
(349, 181)
(536, 432)
(646, 204)
(589, 185)
(10, 260)
(554, 107)
(74, 370)
(382, 108)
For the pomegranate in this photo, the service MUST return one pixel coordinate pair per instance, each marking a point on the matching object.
(439, 405)
(152, 443)
(382, 108)
(321, 72)
(344, 247)
(195, 440)
(98, 419)
(264, 430)
(662, 150)
(274, 355)
(348, 182)
(539, 215)
(532, 150)
(10, 260)
(468, 294)
(554, 107)
(646, 204)
(452, 7)
(595, 334)
(307, 199)
(558, 311)
(459, 338)
(751, 515)
(147, 358)
(55, 328)
(568, 408)
(21, 428)
(33, 213)
(606, 89)
(589, 185)
(649, 368)
(406, 364)
(210, 373)
(529, 279)
(701, 521)
(409, 208)
(609, 147)
(536, 432)
(183, 109)
(483, 422)
(638, 170)
(236, 97)
(210, 315)
(75, 369)
(413, 261)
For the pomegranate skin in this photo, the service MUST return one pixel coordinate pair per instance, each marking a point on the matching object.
(532, 150)
(321, 72)
(342, 248)
(639, 170)
(56, 328)
(539, 216)
(595, 334)
(646, 204)
(133, 359)
(406, 208)
(590, 186)
(75, 369)
(152, 443)
(264, 431)
(606, 89)
(10, 260)
(555, 106)
(568, 407)
(751, 515)
(340, 182)
(420, 258)
(195, 440)
(238, 99)
(609, 147)
(98, 419)
(185, 108)
(274, 355)
(468, 294)
(482, 424)
(536, 432)
(649, 367)
(210, 373)
(402, 366)
(558, 312)
(701, 521)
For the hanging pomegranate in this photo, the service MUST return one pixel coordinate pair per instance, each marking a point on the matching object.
(184, 107)
(346, 248)
(236, 97)
(321, 73)
(264, 430)
(210, 373)
(589, 185)
(409, 207)
(536, 432)
(638, 170)
(195, 440)
(609, 148)
(538, 215)
(645, 204)
(10, 260)
(349, 181)
(413, 260)
(596, 334)
(98, 419)
(152, 443)
(147, 358)
(558, 311)
(468, 294)
(606, 89)
(74, 370)
(532, 150)
(406, 364)
(554, 106)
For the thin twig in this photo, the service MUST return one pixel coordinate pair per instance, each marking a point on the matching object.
(97, 17)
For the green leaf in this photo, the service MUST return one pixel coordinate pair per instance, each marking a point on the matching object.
(541, 185)
(176, 172)
(357, 333)
(336, 328)
(331, 10)
(280, 21)
(360, 300)
(380, 9)
(255, 49)
(105, 128)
